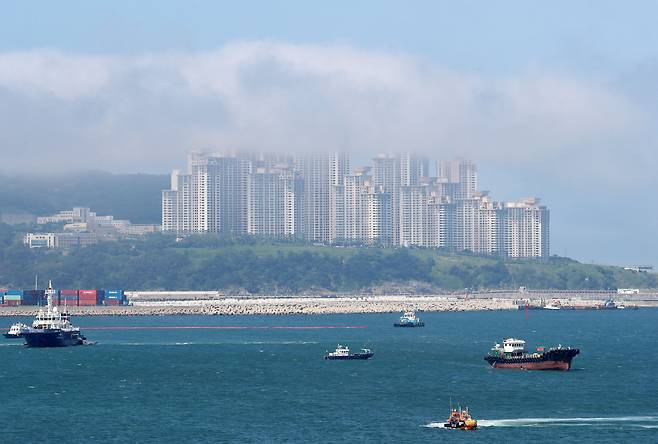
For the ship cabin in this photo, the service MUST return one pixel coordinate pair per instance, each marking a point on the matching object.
(341, 350)
(514, 347)
(50, 319)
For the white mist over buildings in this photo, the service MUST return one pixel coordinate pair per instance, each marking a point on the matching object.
(317, 198)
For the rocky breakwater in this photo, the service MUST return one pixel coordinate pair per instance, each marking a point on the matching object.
(283, 306)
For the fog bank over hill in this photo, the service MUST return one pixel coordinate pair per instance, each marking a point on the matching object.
(125, 196)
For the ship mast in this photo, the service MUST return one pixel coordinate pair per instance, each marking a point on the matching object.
(49, 295)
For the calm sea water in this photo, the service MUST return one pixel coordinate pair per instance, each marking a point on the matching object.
(258, 383)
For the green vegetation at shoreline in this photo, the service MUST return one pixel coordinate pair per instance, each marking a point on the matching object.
(264, 266)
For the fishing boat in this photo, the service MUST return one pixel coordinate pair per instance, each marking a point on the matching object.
(343, 353)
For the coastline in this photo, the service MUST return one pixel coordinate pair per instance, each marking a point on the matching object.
(234, 306)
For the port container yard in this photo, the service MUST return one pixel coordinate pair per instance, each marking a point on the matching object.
(63, 297)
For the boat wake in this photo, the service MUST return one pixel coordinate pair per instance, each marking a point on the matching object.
(648, 422)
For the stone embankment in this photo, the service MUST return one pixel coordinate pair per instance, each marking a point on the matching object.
(142, 305)
(282, 306)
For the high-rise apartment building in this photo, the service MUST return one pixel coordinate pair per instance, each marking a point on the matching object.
(271, 203)
(461, 174)
(526, 229)
(365, 210)
(314, 197)
(212, 197)
(438, 223)
(322, 178)
(413, 207)
(478, 225)
(176, 204)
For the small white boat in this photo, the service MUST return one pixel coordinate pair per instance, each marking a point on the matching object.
(553, 305)
(16, 330)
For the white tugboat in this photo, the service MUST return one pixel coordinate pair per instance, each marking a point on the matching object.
(16, 330)
(52, 328)
(409, 319)
(343, 353)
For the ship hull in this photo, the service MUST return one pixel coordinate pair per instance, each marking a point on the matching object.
(52, 338)
(459, 426)
(11, 336)
(551, 360)
(354, 357)
(419, 324)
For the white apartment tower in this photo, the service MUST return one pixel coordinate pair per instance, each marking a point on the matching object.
(386, 176)
(322, 177)
(438, 223)
(271, 203)
(478, 225)
(413, 208)
(462, 174)
(212, 197)
(176, 204)
(365, 209)
(526, 227)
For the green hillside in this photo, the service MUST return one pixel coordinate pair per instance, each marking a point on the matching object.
(260, 266)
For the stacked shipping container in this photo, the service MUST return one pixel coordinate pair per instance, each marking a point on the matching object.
(13, 297)
(87, 297)
(68, 297)
(64, 297)
(114, 297)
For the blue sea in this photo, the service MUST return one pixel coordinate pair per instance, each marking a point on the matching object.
(264, 379)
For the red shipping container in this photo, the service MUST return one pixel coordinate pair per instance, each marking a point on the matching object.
(87, 293)
(112, 302)
(12, 303)
(86, 303)
(68, 292)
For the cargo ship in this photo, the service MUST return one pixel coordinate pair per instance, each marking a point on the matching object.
(512, 354)
(409, 319)
(51, 327)
(461, 420)
(343, 353)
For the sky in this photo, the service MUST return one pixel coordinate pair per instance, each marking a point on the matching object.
(551, 99)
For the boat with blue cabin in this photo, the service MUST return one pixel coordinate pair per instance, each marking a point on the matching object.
(409, 319)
